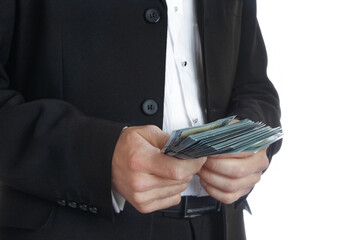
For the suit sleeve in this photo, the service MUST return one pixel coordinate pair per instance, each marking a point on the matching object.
(48, 148)
(253, 95)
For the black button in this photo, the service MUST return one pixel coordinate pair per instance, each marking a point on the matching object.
(152, 15)
(93, 210)
(149, 107)
(83, 207)
(72, 204)
(62, 202)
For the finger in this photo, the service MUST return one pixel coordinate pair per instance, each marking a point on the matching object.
(237, 168)
(146, 198)
(239, 154)
(142, 182)
(225, 197)
(228, 185)
(153, 135)
(159, 182)
(148, 159)
(234, 121)
(158, 163)
(232, 168)
(146, 182)
(172, 168)
(160, 204)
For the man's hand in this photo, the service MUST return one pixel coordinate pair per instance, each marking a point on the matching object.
(228, 177)
(145, 177)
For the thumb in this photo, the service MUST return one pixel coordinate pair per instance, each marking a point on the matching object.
(154, 135)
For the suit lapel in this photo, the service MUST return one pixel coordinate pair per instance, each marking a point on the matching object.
(220, 30)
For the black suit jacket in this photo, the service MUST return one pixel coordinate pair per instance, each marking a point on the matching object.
(74, 73)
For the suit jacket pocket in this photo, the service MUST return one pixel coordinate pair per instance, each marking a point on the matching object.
(20, 210)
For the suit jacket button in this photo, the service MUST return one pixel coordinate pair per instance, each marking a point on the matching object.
(149, 107)
(93, 210)
(73, 204)
(83, 207)
(62, 202)
(152, 15)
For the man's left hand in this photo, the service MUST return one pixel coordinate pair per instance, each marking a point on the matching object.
(227, 177)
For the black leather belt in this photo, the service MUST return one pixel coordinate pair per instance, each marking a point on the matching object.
(190, 207)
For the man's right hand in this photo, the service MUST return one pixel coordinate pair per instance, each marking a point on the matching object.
(145, 177)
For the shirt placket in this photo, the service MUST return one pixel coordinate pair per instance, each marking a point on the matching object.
(187, 72)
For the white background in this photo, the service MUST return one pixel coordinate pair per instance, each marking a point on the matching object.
(312, 189)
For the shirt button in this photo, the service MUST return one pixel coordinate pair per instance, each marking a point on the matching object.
(152, 15)
(149, 107)
(184, 63)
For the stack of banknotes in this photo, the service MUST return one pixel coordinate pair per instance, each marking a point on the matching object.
(221, 137)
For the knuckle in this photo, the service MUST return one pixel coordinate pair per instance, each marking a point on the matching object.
(257, 178)
(212, 163)
(137, 186)
(228, 199)
(239, 172)
(138, 199)
(244, 191)
(144, 209)
(177, 173)
(151, 128)
(129, 134)
(265, 163)
(247, 191)
(183, 187)
(187, 179)
(231, 187)
(177, 199)
(135, 164)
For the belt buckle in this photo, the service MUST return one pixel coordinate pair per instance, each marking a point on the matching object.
(196, 212)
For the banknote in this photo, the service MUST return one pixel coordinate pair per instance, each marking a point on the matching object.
(178, 135)
(221, 137)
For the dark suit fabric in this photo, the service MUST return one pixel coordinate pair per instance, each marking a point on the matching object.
(130, 224)
(74, 73)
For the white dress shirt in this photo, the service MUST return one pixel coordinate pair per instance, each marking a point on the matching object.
(183, 101)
